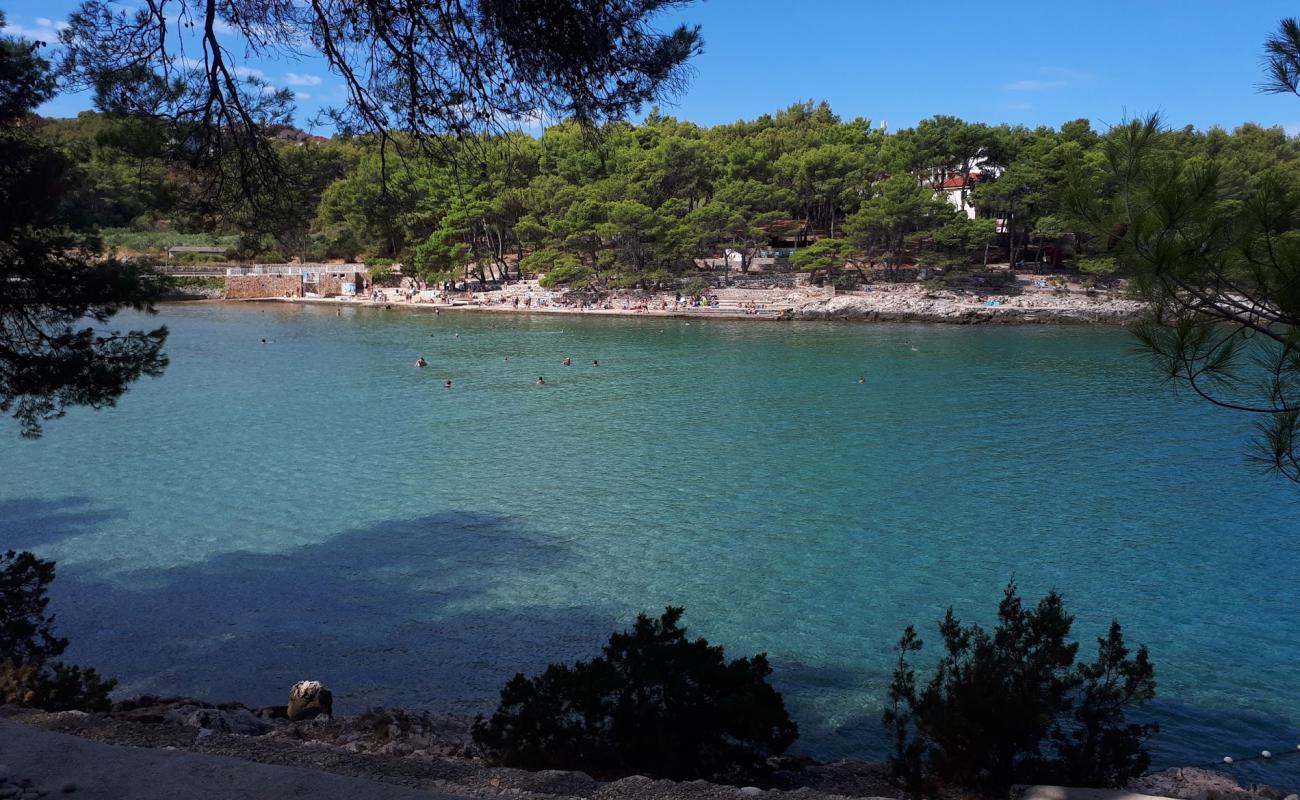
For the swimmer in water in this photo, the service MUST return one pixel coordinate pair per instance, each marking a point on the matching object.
(567, 361)
(420, 362)
(263, 341)
(862, 379)
(449, 384)
(541, 381)
(595, 363)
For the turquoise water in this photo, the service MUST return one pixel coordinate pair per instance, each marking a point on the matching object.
(317, 507)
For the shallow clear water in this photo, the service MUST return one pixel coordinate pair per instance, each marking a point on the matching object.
(317, 507)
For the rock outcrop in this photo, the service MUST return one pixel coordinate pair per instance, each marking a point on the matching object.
(308, 700)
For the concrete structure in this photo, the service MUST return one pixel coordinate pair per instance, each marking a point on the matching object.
(69, 766)
(205, 250)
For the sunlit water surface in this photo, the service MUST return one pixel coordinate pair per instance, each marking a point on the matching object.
(316, 507)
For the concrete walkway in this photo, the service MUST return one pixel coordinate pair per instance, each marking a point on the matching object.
(1066, 793)
(53, 761)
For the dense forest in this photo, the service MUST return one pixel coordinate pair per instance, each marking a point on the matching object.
(630, 205)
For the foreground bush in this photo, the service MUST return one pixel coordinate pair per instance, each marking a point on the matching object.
(30, 673)
(54, 686)
(655, 703)
(1012, 707)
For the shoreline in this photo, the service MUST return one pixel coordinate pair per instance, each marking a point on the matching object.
(433, 753)
(895, 304)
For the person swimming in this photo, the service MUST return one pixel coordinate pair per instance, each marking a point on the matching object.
(448, 383)
(541, 381)
(420, 362)
(862, 379)
(507, 359)
(567, 361)
(595, 363)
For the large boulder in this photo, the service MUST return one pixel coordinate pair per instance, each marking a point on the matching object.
(308, 700)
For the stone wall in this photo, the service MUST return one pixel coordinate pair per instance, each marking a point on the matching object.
(248, 287)
(333, 284)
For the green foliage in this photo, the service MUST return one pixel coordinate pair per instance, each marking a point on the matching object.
(29, 672)
(1211, 241)
(1011, 706)
(26, 630)
(560, 269)
(56, 297)
(54, 686)
(195, 282)
(1097, 265)
(824, 255)
(695, 287)
(654, 703)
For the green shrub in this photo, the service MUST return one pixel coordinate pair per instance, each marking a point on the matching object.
(29, 673)
(196, 282)
(54, 686)
(26, 630)
(844, 281)
(655, 703)
(695, 287)
(1012, 707)
(558, 269)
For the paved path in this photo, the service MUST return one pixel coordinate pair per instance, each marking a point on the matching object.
(108, 772)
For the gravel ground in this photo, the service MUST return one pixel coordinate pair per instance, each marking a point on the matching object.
(421, 751)
(411, 754)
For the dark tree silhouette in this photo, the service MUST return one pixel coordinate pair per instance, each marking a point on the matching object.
(1010, 705)
(655, 703)
(56, 297)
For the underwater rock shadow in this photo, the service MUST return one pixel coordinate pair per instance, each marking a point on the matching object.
(26, 523)
(384, 614)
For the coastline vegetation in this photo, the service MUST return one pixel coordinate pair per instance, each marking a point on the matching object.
(1203, 223)
(1003, 707)
(642, 204)
(31, 673)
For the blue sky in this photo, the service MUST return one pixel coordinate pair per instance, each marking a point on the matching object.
(1196, 61)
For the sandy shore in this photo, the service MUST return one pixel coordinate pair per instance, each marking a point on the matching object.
(904, 303)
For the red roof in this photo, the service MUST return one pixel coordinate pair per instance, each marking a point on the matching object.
(962, 181)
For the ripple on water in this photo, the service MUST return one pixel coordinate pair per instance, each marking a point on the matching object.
(318, 506)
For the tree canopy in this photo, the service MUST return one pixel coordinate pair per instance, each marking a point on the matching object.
(190, 143)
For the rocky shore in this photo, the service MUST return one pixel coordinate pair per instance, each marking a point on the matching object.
(1022, 305)
(435, 753)
(914, 304)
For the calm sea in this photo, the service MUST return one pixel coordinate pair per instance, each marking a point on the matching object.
(317, 507)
